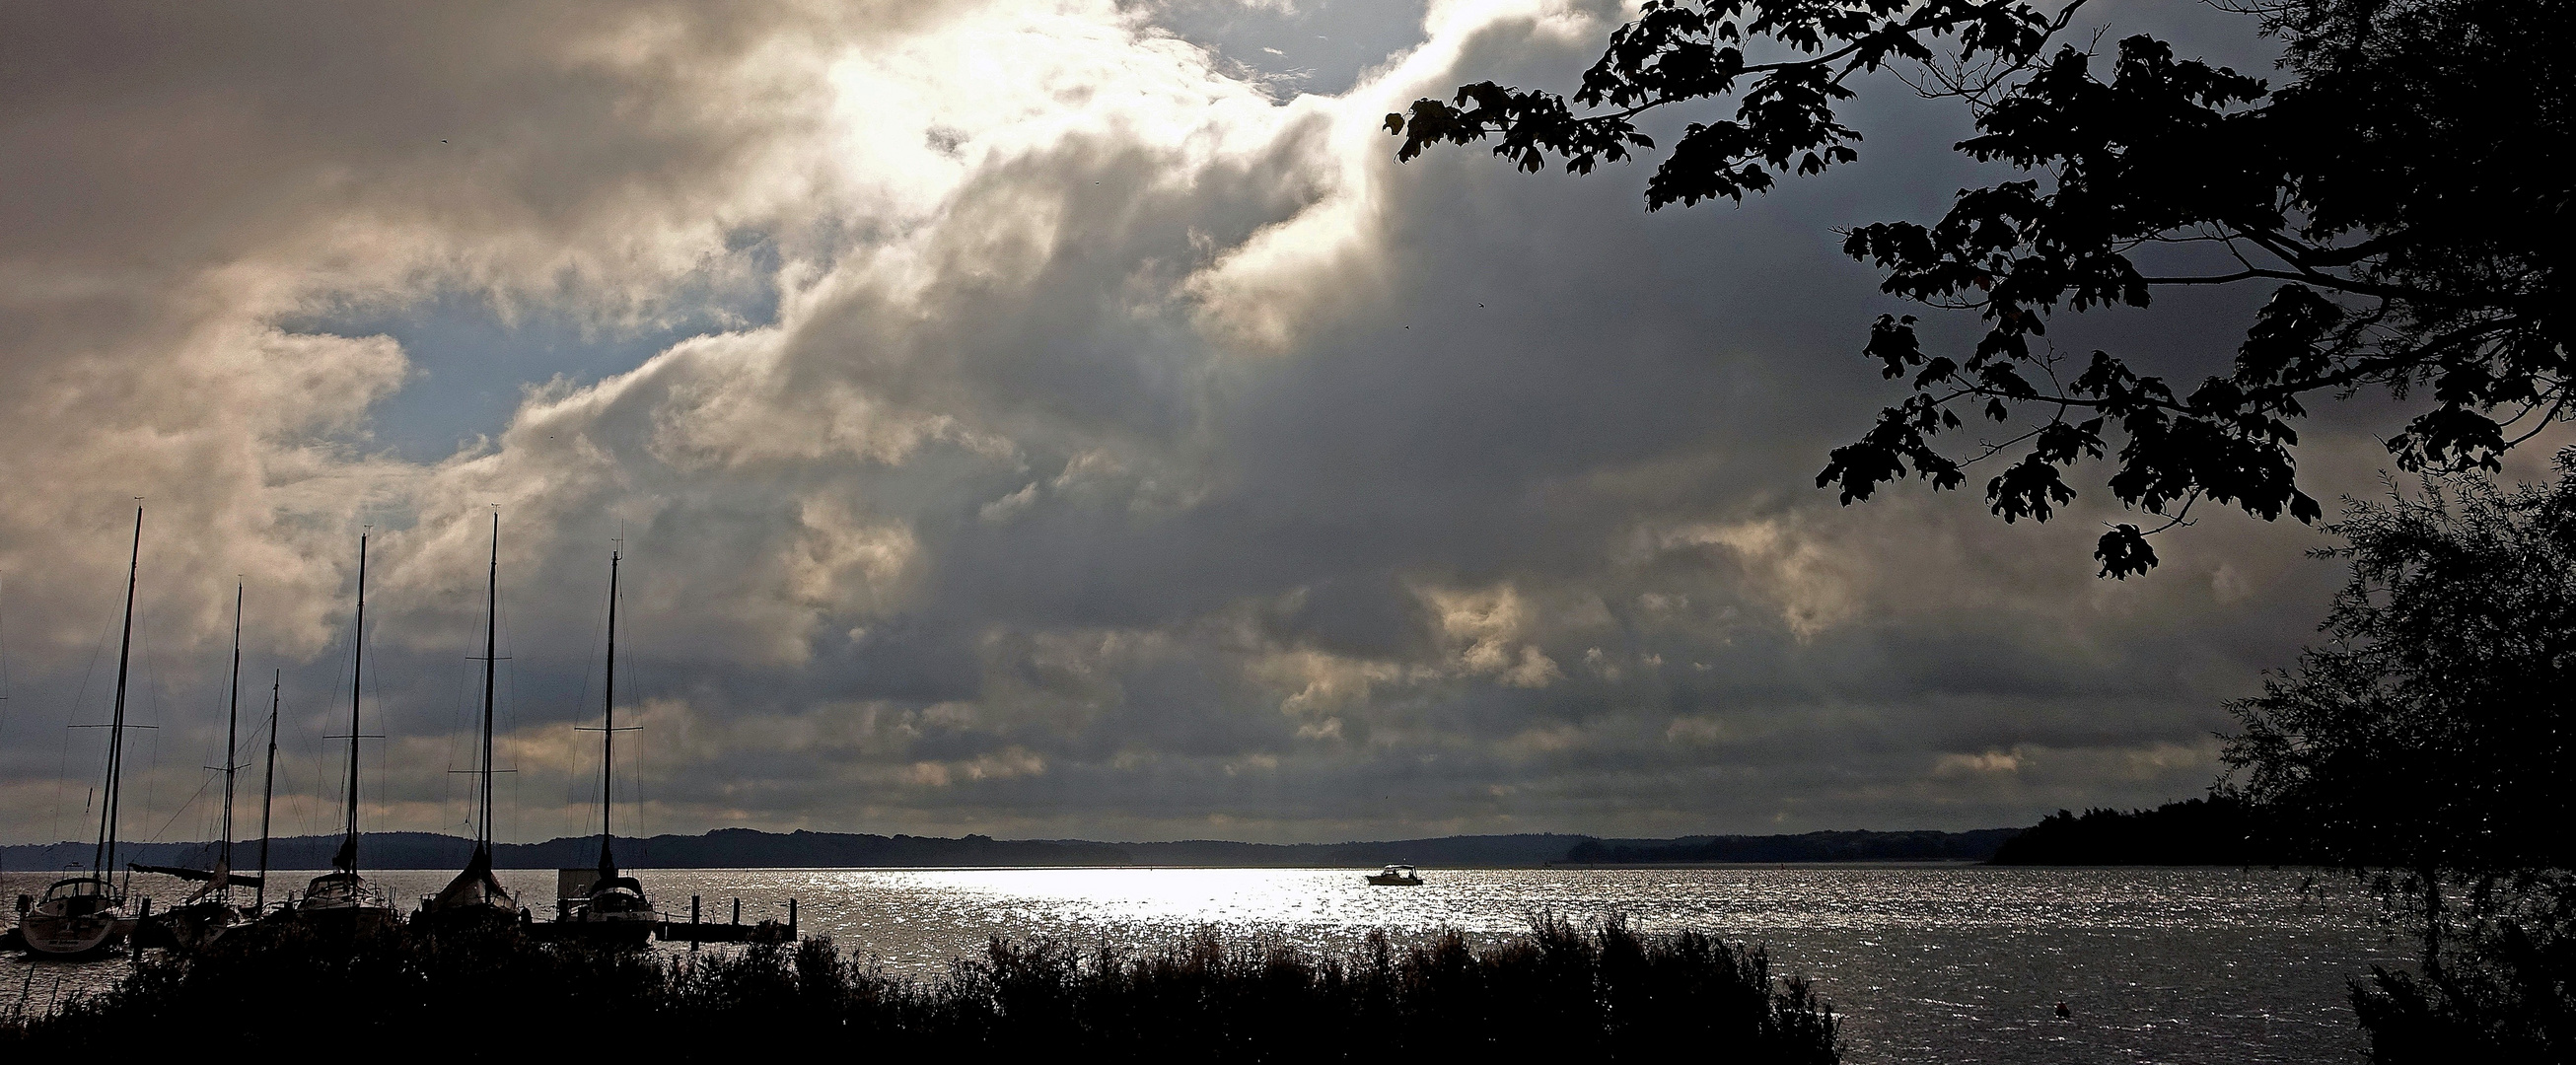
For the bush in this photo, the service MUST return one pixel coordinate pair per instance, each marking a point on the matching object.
(2498, 988)
(1560, 990)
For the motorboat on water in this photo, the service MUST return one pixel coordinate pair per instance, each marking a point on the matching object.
(1396, 876)
(82, 914)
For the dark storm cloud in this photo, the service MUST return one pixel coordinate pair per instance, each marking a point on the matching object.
(1136, 449)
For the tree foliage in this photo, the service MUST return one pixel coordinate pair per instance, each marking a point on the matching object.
(2432, 730)
(2426, 743)
(2500, 991)
(2218, 830)
(2404, 198)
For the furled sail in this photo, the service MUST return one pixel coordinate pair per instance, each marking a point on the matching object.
(476, 886)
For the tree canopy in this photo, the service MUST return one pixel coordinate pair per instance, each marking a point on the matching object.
(2426, 742)
(2431, 731)
(2404, 197)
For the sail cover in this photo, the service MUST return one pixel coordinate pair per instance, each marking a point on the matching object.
(476, 886)
(185, 873)
(217, 879)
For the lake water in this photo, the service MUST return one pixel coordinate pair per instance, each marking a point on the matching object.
(1953, 964)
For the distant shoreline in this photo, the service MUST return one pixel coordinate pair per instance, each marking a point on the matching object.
(2198, 832)
(749, 849)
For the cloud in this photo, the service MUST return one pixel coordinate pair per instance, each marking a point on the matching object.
(1134, 448)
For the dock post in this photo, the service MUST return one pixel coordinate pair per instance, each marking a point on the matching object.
(134, 940)
(791, 920)
(693, 922)
(737, 912)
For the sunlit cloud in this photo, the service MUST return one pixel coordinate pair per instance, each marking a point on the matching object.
(1066, 428)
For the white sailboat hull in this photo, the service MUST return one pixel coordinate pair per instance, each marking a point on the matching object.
(624, 928)
(56, 935)
(78, 916)
(345, 900)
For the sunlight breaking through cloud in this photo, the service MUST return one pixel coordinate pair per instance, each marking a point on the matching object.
(1135, 449)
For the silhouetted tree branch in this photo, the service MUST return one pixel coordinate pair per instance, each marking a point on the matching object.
(2404, 194)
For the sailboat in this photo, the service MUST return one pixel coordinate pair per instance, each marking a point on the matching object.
(84, 914)
(205, 916)
(341, 899)
(610, 908)
(476, 895)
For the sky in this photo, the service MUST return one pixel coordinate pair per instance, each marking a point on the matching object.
(1059, 418)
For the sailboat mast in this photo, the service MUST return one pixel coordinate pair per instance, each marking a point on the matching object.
(232, 737)
(357, 682)
(608, 733)
(105, 859)
(268, 790)
(491, 666)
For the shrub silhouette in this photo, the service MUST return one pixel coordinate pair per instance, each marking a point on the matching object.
(1600, 991)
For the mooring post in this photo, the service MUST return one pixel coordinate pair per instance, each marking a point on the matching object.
(693, 922)
(791, 920)
(737, 911)
(135, 939)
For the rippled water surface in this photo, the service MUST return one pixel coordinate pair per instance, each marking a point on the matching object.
(1950, 964)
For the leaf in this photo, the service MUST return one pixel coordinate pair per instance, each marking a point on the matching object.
(2123, 551)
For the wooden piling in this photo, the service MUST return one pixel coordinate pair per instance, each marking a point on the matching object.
(698, 930)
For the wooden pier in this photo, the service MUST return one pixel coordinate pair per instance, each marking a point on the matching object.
(696, 930)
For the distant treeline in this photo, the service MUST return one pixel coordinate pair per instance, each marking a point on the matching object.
(2212, 831)
(1976, 846)
(742, 848)
(732, 848)
(2192, 832)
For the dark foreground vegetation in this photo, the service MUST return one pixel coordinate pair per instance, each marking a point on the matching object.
(2425, 748)
(1560, 992)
